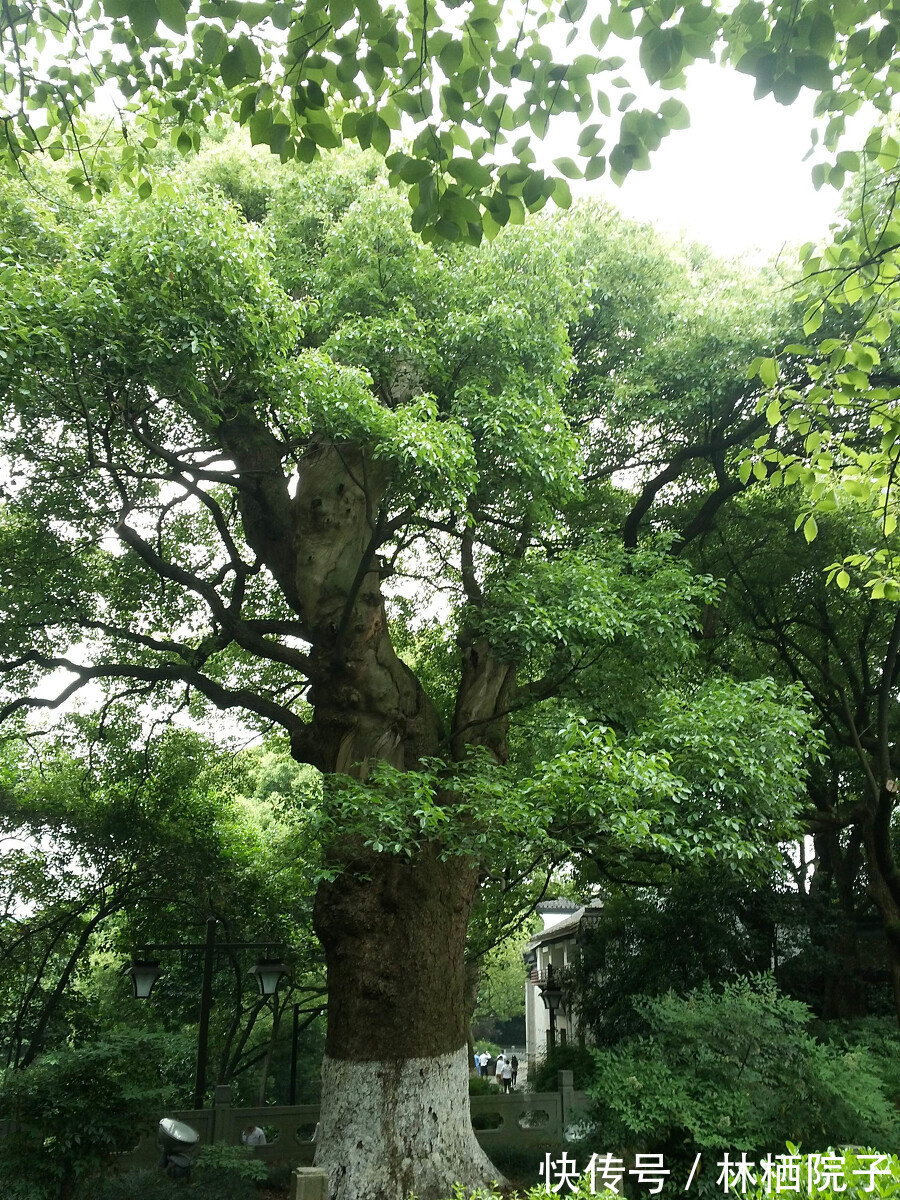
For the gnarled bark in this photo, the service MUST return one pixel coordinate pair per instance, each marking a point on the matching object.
(395, 1113)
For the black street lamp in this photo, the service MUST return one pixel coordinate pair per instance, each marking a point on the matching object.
(553, 997)
(268, 972)
(145, 972)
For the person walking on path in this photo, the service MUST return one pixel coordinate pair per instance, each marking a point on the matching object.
(499, 1068)
(483, 1059)
(514, 1063)
(506, 1074)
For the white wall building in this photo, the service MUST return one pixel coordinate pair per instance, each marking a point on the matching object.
(551, 950)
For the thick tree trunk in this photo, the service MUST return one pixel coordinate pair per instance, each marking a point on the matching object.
(835, 878)
(884, 886)
(395, 1113)
(844, 996)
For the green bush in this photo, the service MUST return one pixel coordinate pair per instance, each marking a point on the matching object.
(480, 1085)
(577, 1059)
(227, 1156)
(73, 1110)
(877, 1037)
(736, 1069)
(492, 1047)
(856, 1177)
(147, 1184)
(220, 1172)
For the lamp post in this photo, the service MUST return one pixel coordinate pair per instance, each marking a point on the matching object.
(295, 1042)
(145, 972)
(552, 996)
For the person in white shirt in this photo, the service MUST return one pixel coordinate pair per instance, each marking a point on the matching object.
(253, 1136)
(506, 1074)
(483, 1058)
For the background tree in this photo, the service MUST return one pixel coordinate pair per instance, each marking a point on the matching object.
(115, 842)
(736, 1069)
(702, 926)
(780, 613)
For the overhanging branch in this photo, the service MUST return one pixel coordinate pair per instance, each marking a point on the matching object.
(221, 696)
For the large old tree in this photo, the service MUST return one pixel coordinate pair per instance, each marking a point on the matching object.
(355, 491)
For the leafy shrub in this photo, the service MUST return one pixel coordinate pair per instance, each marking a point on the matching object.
(226, 1156)
(215, 1176)
(74, 1109)
(736, 1069)
(859, 1182)
(493, 1048)
(577, 1059)
(147, 1183)
(480, 1085)
(875, 1036)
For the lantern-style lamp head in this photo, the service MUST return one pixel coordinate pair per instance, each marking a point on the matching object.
(551, 993)
(143, 974)
(268, 972)
(590, 919)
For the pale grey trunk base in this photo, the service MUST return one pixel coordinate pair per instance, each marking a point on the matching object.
(391, 1129)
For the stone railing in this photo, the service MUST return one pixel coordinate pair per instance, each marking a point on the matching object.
(517, 1119)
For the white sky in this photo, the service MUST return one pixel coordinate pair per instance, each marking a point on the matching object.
(736, 178)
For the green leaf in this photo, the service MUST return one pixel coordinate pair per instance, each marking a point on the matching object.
(768, 372)
(599, 32)
(415, 170)
(172, 14)
(232, 68)
(842, 579)
(810, 528)
(450, 58)
(469, 172)
(661, 53)
(785, 89)
(143, 17)
(250, 57)
(381, 135)
(675, 113)
(813, 318)
(812, 71)
(213, 45)
(821, 34)
(321, 131)
(562, 194)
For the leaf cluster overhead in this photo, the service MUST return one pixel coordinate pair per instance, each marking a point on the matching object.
(452, 95)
